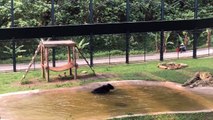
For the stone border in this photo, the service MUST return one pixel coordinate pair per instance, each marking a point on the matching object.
(161, 113)
(90, 86)
(19, 93)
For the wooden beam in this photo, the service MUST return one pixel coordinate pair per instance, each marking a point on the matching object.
(47, 74)
(105, 28)
(74, 62)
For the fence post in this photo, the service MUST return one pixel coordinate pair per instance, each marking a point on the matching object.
(144, 54)
(52, 23)
(195, 31)
(162, 32)
(127, 32)
(91, 34)
(13, 41)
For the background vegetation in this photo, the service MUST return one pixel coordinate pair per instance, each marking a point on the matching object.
(30, 13)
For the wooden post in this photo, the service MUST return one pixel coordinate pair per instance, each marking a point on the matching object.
(74, 61)
(47, 65)
(42, 61)
(69, 59)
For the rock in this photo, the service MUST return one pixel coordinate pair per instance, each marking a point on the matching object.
(162, 67)
(205, 76)
(200, 79)
(183, 65)
(191, 81)
(171, 66)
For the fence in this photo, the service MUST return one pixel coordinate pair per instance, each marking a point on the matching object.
(125, 28)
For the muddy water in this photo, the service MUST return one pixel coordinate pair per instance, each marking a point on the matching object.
(80, 104)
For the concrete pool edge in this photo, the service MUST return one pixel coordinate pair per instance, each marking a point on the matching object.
(161, 113)
(19, 93)
(90, 86)
(125, 83)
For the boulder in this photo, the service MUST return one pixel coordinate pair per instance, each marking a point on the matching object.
(200, 79)
(171, 65)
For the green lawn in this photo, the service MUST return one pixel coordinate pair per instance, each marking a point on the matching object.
(193, 116)
(10, 82)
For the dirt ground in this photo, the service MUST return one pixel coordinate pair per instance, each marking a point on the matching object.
(56, 80)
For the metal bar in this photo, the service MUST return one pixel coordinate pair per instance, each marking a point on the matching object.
(13, 41)
(127, 10)
(53, 22)
(104, 28)
(127, 46)
(195, 35)
(52, 12)
(144, 54)
(127, 32)
(91, 49)
(12, 13)
(14, 55)
(195, 9)
(162, 32)
(195, 31)
(161, 45)
(91, 34)
(177, 44)
(53, 56)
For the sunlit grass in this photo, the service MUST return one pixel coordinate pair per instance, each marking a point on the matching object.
(10, 82)
(192, 116)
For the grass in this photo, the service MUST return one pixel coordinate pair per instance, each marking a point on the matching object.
(10, 82)
(181, 116)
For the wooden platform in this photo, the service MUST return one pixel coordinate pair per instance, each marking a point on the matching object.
(59, 43)
(45, 57)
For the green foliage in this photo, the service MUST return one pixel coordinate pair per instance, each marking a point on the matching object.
(38, 13)
(18, 50)
(82, 44)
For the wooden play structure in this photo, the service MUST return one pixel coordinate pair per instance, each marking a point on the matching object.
(45, 45)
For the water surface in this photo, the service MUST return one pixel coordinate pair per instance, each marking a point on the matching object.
(80, 104)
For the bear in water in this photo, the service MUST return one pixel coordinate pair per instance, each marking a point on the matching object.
(103, 89)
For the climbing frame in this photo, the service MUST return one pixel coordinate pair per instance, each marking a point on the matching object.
(45, 57)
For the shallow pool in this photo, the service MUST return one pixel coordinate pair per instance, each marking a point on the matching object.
(79, 104)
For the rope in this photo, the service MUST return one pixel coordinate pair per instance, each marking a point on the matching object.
(33, 58)
(32, 61)
(86, 60)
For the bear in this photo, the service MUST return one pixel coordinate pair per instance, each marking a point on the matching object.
(103, 89)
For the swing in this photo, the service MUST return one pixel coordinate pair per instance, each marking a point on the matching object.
(62, 68)
(45, 63)
(67, 66)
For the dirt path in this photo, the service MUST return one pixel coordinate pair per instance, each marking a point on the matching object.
(115, 59)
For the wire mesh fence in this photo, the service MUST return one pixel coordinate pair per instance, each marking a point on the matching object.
(125, 47)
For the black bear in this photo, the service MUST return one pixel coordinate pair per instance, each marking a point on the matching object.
(103, 89)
